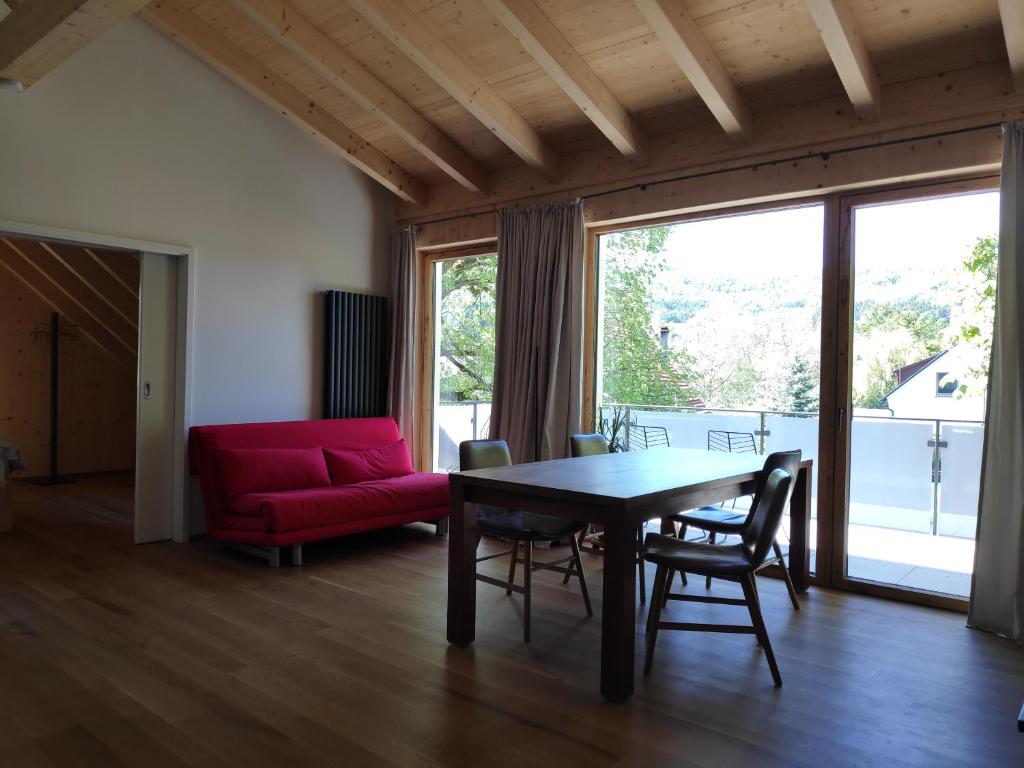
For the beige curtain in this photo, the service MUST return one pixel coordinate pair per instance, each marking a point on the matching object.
(538, 383)
(997, 592)
(402, 381)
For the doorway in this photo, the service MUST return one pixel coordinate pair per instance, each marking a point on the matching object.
(918, 323)
(95, 392)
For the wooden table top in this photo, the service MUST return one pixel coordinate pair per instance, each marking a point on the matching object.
(629, 479)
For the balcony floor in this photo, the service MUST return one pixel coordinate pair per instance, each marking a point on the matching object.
(910, 559)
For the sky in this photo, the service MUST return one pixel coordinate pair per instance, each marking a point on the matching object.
(932, 233)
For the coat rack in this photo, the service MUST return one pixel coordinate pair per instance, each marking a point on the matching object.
(53, 478)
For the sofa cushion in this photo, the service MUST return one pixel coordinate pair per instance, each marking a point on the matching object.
(317, 507)
(359, 466)
(262, 470)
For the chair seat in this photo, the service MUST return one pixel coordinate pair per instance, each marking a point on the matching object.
(717, 519)
(525, 526)
(703, 559)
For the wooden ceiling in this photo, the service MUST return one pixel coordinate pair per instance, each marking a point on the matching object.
(428, 96)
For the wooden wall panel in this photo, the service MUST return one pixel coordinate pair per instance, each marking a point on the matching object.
(97, 402)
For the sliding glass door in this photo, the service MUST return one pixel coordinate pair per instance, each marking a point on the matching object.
(918, 320)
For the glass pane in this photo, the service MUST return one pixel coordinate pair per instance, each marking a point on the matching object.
(464, 306)
(710, 333)
(923, 302)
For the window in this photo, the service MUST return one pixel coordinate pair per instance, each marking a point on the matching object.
(945, 384)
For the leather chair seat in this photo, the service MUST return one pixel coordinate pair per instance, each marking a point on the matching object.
(719, 560)
(717, 519)
(516, 525)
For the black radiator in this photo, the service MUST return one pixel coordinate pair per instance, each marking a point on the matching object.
(357, 344)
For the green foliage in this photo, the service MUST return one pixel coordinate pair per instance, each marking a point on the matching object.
(978, 304)
(636, 367)
(613, 427)
(467, 318)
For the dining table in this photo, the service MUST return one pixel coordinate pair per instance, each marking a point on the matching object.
(619, 491)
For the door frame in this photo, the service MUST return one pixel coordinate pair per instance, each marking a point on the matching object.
(424, 353)
(834, 569)
(185, 341)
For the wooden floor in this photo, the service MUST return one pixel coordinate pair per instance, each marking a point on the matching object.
(167, 654)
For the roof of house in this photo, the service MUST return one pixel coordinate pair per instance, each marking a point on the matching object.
(907, 372)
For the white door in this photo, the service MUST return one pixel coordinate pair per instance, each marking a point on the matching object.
(155, 431)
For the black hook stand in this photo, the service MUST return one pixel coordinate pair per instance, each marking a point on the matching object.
(53, 478)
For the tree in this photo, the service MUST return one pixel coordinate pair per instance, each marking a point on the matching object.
(974, 323)
(467, 320)
(801, 386)
(636, 368)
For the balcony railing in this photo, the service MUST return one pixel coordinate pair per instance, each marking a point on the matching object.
(917, 475)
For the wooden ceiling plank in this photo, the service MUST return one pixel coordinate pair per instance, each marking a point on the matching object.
(430, 53)
(695, 57)
(1012, 14)
(209, 45)
(556, 55)
(42, 260)
(78, 263)
(845, 44)
(39, 35)
(37, 284)
(331, 62)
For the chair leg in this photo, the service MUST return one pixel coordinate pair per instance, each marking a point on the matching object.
(527, 578)
(682, 537)
(640, 563)
(754, 606)
(785, 576)
(711, 540)
(654, 615)
(512, 567)
(579, 572)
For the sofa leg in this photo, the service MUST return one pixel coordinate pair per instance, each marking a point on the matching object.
(296, 554)
(442, 526)
(274, 557)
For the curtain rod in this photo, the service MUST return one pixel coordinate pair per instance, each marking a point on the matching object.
(643, 185)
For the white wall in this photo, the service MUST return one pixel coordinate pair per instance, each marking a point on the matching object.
(135, 137)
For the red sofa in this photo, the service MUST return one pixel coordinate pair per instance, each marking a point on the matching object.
(282, 484)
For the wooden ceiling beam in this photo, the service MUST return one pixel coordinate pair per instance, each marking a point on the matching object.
(39, 35)
(98, 281)
(1012, 14)
(556, 55)
(220, 53)
(429, 52)
(325, 57)
(40, 257)
(842, 38)
(120, 270)
(31, 278)
(694, 56)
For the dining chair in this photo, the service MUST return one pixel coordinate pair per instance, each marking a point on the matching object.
(520, 527)
(595, 445)
(734, 562)
(721, 521)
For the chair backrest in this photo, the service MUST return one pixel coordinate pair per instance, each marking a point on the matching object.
(588, 445)
(482, 454)
(786, 460)
(763, 523)
(642, 437)
(731, 442)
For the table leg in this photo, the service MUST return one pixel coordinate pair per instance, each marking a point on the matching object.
(462, 541)
(799, 531)
(618, 619)
(6, 506)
